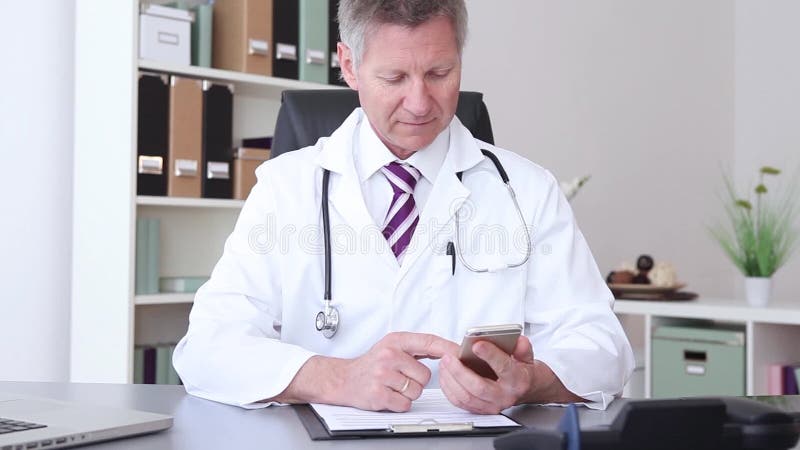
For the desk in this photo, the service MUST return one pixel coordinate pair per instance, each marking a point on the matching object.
(201, 424)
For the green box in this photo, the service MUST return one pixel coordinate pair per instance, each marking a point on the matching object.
(692, 361)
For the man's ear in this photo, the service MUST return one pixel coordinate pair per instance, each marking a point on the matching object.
(347, 66)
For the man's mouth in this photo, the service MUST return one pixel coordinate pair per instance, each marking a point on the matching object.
(416, 123)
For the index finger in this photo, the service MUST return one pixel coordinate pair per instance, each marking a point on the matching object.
(424, 345)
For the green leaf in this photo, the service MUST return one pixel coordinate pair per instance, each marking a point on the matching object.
(758, 241)
(767, 170)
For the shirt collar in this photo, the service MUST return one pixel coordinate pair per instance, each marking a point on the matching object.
(372, 154)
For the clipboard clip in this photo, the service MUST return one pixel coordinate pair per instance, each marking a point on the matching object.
(431, 426)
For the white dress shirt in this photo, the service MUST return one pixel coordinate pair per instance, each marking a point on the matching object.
(370, 154)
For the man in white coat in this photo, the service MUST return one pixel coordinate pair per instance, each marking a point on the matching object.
(404, 304)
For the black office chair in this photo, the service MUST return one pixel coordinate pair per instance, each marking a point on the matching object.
(307, 115)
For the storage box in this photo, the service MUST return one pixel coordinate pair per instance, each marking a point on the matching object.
(245, 162)
(165, 34)
(242, 35)
(692, 361)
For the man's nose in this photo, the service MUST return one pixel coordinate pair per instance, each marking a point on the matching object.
(418, 99)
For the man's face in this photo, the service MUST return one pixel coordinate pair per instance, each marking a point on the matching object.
(407, 82)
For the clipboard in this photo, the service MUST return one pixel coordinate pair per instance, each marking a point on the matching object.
(318, 431)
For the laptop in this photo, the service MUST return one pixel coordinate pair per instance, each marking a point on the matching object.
(38, 423)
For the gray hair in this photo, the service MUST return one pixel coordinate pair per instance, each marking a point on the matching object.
(357, 18)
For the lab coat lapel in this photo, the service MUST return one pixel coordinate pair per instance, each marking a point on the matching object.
(447, 196)
(344, 191)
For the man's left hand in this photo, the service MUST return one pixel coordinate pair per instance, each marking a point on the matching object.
(520, 379)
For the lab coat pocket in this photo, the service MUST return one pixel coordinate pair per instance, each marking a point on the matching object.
(440, 296)
(493, 298)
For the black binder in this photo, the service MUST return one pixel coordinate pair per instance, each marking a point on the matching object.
(217, 140)
(333, 39)
(285, 35)
(152, 134)
(318, 431)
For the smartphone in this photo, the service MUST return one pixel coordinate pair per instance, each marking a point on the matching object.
(503, 336)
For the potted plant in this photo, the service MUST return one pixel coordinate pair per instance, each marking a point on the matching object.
(760, 236)
(571, 188)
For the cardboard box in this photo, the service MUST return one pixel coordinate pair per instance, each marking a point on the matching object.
(165, 34)
(245, 163)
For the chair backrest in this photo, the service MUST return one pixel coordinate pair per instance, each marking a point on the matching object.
(307, 115)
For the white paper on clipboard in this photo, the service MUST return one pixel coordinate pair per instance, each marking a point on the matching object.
(431, 407)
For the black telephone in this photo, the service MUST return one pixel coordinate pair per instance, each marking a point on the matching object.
(692, 423)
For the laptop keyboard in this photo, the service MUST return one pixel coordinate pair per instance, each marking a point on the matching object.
(10, 426)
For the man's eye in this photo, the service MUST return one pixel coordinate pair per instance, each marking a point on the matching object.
(393, 80)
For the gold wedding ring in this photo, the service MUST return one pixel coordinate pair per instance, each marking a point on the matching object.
(405, 386)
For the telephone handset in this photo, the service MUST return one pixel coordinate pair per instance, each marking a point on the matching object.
(692, 423)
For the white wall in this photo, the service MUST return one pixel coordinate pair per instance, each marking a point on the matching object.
(768, 100)
(36, 51)
(637, 94)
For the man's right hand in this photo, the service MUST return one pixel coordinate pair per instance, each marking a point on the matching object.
(387, 377)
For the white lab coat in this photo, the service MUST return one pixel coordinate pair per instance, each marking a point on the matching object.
(252, 325)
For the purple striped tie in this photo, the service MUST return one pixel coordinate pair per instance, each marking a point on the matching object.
(402, 218)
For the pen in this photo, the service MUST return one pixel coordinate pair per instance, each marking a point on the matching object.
(451, 250)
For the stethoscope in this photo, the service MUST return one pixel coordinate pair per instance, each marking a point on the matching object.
(327, 320)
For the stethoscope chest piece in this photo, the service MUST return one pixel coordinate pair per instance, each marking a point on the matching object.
(327, 321)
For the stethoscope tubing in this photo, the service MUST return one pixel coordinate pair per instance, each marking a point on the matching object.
(327, 321)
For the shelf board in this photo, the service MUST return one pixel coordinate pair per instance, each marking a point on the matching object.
(163, 299)
(735, 310)
(245, 83)
(147, 200)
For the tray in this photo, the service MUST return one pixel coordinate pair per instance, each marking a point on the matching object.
(645, 288)
(650, 292)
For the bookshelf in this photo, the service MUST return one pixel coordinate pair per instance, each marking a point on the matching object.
(771, 332)
(146, 200)
(107, 319)
(163, 299)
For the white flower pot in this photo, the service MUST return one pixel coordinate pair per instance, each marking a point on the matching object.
(757, 290)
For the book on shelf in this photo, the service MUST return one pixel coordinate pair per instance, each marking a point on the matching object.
(782, 379)
(180, 285)
(245, 162)
(152, 364)
(285, 34)
(202, 35)
(148, 244)
(334, 69)
(313, 41)
(243, 35)
(217, 137)
(152, 134)
(185, 137)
